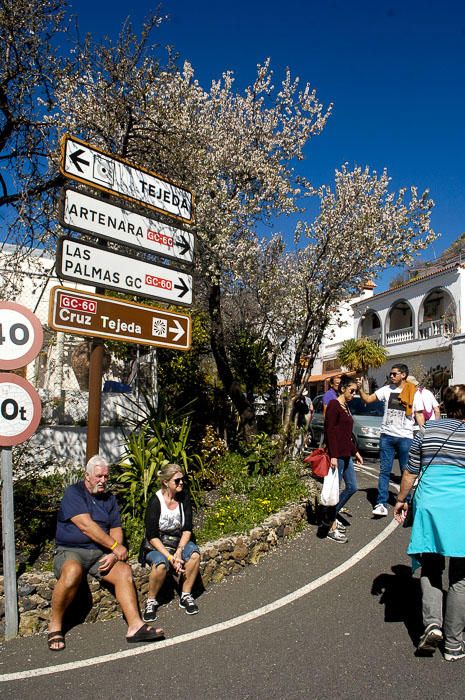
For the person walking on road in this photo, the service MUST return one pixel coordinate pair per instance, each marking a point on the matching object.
(437, 459)
(425, 405)
(396, 429)
(341, 448)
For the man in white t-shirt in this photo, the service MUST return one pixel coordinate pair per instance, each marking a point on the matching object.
(425, 405)
(396, 429)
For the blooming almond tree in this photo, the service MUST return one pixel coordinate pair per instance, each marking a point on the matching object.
(361, 229)
(233, 150)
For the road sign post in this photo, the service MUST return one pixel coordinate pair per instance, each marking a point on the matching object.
(21, 338)
(105, 269)
(19, 418)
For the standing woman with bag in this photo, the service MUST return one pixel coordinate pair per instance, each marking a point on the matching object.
(437, 458)
(341, 449)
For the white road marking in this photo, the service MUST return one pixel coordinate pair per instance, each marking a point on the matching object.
(218, 627)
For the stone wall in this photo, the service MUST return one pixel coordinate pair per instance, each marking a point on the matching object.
(219, 559)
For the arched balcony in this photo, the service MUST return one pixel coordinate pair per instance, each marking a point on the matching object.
(437, 315)
(400, 323)
(370, 326)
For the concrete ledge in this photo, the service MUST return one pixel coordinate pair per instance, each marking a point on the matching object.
(218, 559)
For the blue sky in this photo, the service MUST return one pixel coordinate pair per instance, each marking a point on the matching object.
(395, 72)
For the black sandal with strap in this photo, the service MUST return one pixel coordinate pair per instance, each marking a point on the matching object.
(56, 638)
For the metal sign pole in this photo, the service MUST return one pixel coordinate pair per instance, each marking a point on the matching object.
(8, 543)
(95, 399)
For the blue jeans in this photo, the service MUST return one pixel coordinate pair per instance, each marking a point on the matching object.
(155, 558)
(389, 448)
(346, 470)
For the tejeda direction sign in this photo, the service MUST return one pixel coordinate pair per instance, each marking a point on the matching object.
(92, 166)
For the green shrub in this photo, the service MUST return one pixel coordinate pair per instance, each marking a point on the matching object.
(250, 499)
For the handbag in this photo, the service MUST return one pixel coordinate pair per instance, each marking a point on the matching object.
(319, 462)
(330, 492)
(408, 520)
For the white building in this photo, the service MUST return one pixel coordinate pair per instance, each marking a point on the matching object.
(419, 322)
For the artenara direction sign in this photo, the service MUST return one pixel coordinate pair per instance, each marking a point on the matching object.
(85, 163)
(84, 313)
(85, 214)
(99, 267)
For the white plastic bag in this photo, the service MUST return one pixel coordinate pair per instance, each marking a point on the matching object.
(330, 492)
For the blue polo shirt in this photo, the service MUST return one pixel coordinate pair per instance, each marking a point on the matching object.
(102, 508)
(329, 396)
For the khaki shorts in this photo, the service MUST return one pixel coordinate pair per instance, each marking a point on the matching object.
(89, 559)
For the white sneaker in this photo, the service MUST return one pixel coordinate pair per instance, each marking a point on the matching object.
(380, 510)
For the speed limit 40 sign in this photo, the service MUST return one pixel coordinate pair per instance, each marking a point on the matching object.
(21, 335)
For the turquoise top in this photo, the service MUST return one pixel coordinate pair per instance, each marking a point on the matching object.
(439, 512)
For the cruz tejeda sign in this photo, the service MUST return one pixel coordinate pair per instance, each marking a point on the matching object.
(87, 214)
(109, 173)
(85, 313)
(94, 266)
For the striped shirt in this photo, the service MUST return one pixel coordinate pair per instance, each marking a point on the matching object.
(429, 445)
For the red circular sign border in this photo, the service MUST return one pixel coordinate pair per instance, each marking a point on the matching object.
(34, 424)
(38, 336)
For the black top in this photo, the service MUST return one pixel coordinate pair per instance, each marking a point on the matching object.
(152, 515)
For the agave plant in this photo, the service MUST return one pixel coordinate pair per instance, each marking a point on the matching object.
(138, 471)
(150, 448)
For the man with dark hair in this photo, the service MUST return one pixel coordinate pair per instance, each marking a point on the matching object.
(89, 540)
(396, 429)
(333, 391)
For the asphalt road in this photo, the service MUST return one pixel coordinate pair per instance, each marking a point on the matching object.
(265, 633)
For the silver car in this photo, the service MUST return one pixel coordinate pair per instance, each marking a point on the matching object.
(367, 423)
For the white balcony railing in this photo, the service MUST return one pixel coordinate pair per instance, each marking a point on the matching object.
(433, 329)
(403, 335)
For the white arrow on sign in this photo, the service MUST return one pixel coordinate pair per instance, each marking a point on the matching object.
(91, 265)
(178, 329)
(105, 171)
(83, 213)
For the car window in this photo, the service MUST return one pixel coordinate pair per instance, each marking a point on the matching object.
(360, 408)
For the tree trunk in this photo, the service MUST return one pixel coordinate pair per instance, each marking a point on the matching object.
(244, 407)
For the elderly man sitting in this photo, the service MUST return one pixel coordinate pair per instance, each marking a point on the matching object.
(89, 540)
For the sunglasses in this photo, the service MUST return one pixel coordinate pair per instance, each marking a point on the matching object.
(394, 374)
(178, 481)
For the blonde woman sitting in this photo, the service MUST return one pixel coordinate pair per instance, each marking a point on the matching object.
(168, 545)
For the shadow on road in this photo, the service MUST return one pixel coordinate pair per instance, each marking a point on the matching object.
(400, 594)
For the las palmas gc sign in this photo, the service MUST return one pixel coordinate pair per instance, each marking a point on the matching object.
(92, 166)
(94, 266)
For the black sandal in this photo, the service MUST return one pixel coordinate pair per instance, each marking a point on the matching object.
(56, 638)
